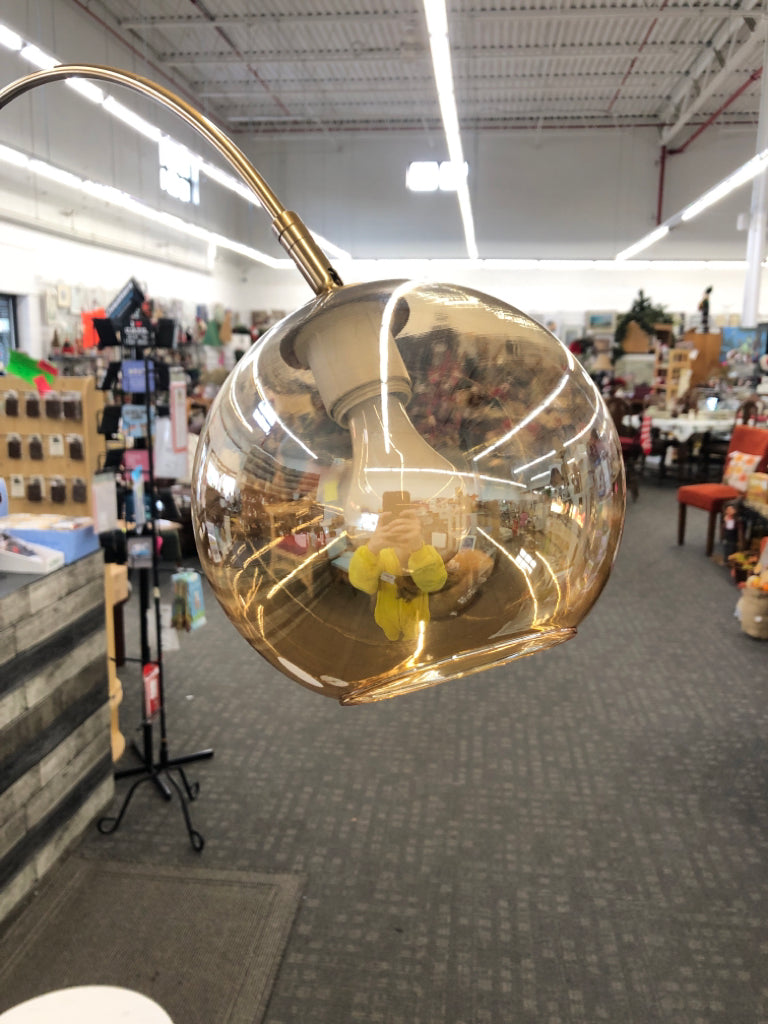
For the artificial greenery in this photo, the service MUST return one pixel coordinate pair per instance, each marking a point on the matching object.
(645, 314)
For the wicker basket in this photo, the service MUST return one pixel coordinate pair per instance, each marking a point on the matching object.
(753, 606)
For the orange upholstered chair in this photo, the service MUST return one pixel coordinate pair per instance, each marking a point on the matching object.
(747, 453)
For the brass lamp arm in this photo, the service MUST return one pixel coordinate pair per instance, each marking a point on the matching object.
(291, 232)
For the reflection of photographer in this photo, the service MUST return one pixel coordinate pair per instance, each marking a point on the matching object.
(401, 570)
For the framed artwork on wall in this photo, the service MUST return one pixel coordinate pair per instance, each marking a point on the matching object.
(600, 321)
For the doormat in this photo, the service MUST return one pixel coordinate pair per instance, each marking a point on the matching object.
(205, 945)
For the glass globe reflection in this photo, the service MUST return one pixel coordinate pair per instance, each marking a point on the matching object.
(404, 483)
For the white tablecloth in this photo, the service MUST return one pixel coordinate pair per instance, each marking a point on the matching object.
(682, 428)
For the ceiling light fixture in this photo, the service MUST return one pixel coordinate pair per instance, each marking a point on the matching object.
(431, 176)
(735, 180)
(440, 48)
(10, 39)
(352, 496)
(38, 57)
(749, 170)
(644, 243)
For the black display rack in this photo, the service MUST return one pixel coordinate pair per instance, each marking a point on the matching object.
(156, 766)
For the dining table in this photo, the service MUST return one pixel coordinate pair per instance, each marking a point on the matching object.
(685, 434)
(686, 426)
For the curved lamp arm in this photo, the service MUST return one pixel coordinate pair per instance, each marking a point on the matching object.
(291, 232)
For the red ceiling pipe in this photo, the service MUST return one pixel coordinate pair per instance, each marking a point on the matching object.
(660, 196)
(640, 49)
(703, 127)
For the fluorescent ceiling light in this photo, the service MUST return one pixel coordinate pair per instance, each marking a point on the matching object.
(52, 173)
(422, 176)
(228, 181)
(13, 156)
(740, 177)
(133, 120)
(644, 243)
(38, 57)
(114, 197)
(10, 39)
(451, 175)
(88, 89)
(437, 26)
(441, 64)
(437, 19)
(429, 176)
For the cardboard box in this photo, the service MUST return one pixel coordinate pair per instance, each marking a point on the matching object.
(73, 536)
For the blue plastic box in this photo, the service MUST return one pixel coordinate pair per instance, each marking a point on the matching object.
(75, 542)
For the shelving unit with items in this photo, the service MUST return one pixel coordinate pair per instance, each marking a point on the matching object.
(49, 444)
(671, 373)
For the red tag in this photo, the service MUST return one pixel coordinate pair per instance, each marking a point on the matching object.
(151, 674)
(645, 435)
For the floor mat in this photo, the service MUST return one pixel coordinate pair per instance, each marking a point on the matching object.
(204, 944)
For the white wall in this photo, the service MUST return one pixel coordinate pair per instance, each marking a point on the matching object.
(31, 261)
(562, 295)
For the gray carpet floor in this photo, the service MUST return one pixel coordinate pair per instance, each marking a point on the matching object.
(578, 837)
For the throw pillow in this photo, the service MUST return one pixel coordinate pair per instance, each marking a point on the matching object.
(738, 469)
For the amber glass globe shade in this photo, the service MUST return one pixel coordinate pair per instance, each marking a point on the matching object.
(402, 483)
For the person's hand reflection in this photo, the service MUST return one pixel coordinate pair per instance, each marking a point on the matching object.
(401, 570)
(399, 531)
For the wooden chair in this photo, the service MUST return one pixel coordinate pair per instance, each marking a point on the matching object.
(712, 497)
(749, 409)
(631, 449)
(714, 450)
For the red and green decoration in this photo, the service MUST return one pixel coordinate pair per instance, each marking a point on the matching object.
(35, 371)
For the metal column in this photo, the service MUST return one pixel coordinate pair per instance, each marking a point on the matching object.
(758, 215)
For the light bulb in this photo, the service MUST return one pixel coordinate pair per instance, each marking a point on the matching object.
(364, 383)
(393, 471)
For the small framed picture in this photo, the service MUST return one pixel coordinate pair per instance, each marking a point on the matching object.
(600, 321)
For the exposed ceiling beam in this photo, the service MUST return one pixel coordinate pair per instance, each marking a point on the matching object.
(554, 13)
(509, 54)
(736, 61)
(379, 92)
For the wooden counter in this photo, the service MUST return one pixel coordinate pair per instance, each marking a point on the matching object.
(56, 772)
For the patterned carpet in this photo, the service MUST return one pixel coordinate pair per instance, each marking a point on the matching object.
(580, 837)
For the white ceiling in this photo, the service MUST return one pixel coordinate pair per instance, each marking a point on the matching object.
(299, 81)
(342, 65)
